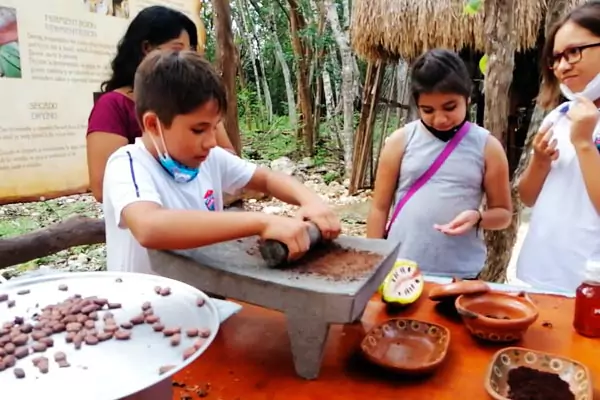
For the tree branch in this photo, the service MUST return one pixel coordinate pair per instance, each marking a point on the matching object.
(76, 231)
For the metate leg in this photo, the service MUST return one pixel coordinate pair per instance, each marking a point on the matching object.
(308, 337)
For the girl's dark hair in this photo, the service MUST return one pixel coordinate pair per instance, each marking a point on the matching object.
(440, 71)
(154, 25)
(586, 16)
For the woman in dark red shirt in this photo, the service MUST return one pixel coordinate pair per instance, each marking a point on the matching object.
(112, 122)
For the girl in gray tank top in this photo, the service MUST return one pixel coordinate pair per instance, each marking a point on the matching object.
(439, 225)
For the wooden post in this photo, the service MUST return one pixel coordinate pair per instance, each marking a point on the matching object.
(364, 132)
(227, 61)
(500, 49)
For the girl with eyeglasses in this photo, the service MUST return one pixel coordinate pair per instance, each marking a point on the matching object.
(562, 180)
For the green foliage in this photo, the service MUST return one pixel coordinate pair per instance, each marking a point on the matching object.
(331, 176)
(472, 7)
(278, 140)
(264, 140)
(13, 223)
(322, 155)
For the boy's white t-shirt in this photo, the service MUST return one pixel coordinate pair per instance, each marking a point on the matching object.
(132, 174)
(564, 230)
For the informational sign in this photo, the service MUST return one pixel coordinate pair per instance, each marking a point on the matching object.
(54, 54)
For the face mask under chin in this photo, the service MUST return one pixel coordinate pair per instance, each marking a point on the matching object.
(444, 136)
(178, 171)
(591, 91)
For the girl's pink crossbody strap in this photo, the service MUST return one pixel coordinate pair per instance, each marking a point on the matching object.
(433, 168)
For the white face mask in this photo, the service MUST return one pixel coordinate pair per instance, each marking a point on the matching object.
(591, 91)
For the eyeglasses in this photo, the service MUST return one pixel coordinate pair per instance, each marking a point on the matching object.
(572, 55)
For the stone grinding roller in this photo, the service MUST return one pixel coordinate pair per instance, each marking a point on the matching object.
(275, 253)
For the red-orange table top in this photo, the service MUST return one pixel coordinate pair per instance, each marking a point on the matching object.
(251, 358)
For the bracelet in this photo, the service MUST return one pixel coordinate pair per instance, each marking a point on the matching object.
(478, 224)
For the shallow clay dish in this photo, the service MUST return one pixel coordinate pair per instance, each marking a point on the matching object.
(574, 373)
(407, 346)
(497, 316)
(450, 291)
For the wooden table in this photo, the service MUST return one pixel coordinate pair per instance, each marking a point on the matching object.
(251, 360)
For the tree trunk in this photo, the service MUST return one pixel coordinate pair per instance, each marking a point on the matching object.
(335, 67)
(253, 58)
(403, 92)
(333, 130)
(76, 231)
(346, 16)
(266, 90)
(347, 83)
(329, 100)
(263, 77)
(317, 66)
(285, 69)
(318, 46)
(386, 117)
(317, 107)
(246, 100)
(227, 64)
(296, 24)
(500, 49)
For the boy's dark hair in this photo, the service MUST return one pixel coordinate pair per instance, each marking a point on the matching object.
(171, 83)
(586, 16)
(440, 71)
(154, 25)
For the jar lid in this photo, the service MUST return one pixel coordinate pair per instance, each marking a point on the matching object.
(592, 270)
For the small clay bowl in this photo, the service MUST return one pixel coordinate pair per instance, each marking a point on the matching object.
(497, 316)
(407, 346)
(450, 291)
(574, 373)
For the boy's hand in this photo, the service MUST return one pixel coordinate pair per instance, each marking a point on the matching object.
(289, 231)
(321, 215)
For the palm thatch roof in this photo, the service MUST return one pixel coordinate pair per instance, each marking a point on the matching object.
(393, 29)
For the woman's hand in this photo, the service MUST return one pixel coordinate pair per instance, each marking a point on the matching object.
(584, 116)
(461, 224)
(544, 147)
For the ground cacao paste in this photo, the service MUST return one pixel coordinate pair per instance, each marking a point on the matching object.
(531, 384)
(336, 262)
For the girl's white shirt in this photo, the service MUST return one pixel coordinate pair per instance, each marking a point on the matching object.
(564, 231)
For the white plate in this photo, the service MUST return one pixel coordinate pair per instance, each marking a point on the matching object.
(112, 369)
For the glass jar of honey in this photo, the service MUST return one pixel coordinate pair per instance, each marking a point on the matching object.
(587, 302)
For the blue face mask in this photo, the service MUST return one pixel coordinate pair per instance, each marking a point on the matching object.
(179, 172)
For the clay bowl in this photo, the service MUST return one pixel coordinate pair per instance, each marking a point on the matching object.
(407, 346)
(574, 373)
(450, 291)
(497, 316)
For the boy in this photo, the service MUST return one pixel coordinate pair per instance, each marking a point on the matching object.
(166, 190)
